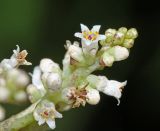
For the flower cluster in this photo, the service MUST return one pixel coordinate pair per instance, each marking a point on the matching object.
(13, 81)
(57, 89)
(54, 89)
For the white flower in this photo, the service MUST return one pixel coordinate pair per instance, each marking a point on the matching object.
(90, 38)
(46, 113)
(74, 96)
(112, 88)
(18, 58)
(2, 113)
(48, 66)
(79, 96)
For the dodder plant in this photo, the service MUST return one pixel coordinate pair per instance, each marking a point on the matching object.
(54, 90)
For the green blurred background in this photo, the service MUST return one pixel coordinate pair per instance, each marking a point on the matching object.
(42, 26)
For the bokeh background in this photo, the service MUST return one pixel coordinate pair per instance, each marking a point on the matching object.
(42, 26)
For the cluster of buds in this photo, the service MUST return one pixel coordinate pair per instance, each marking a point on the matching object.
(13, 81)
(116, 45)
(55, 90)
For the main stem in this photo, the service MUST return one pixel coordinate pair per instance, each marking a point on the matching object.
(20, 120)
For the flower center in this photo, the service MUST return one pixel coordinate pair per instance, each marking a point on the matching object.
(79, 97)
(21, 56)
(89, 35)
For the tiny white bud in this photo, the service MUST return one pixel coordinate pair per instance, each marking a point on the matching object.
(19, 77)
(107, 59)
(120, 53)
(54, 81)
(20, 96)
(34, 93)
(76, 53)
(47, 65)
(93, 96)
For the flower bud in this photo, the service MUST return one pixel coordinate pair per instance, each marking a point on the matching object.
(118, 38)
(2, 113)
(76, 53)
(18, 77)
(20, 96)
(110, 35)
(53, 81)
(4, 94)
(34, 93)
(47, 65)
(106, 60)
(128, 43)
(93, 96)
(123, 30)
(119, 53)
(131, 33)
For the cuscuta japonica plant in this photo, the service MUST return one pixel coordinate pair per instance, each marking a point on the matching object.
(54, 90)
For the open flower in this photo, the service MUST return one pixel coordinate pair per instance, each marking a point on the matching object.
(111, 87)
(46, 113)
(79, 96)
(90, 36)
(89, 39)
(18, 58)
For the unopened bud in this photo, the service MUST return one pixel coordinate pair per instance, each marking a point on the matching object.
(93, 96)
(131, 33)
(20, 96)
(110, 35)
(128, 43)
(18, 77)
(118, 38)
(34, 93)
(123, 30)
(106, 60)
(47, 65)
(76, 53)
(53, 81)
(119, 53)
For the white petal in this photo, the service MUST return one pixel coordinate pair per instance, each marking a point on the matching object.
(84, 27)
(36, 78)
(96, 28)
(16, 51)
(57, 114)
(79, 35)
(51, 123)
(41, 121)
(101, 37)
(87, 42)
